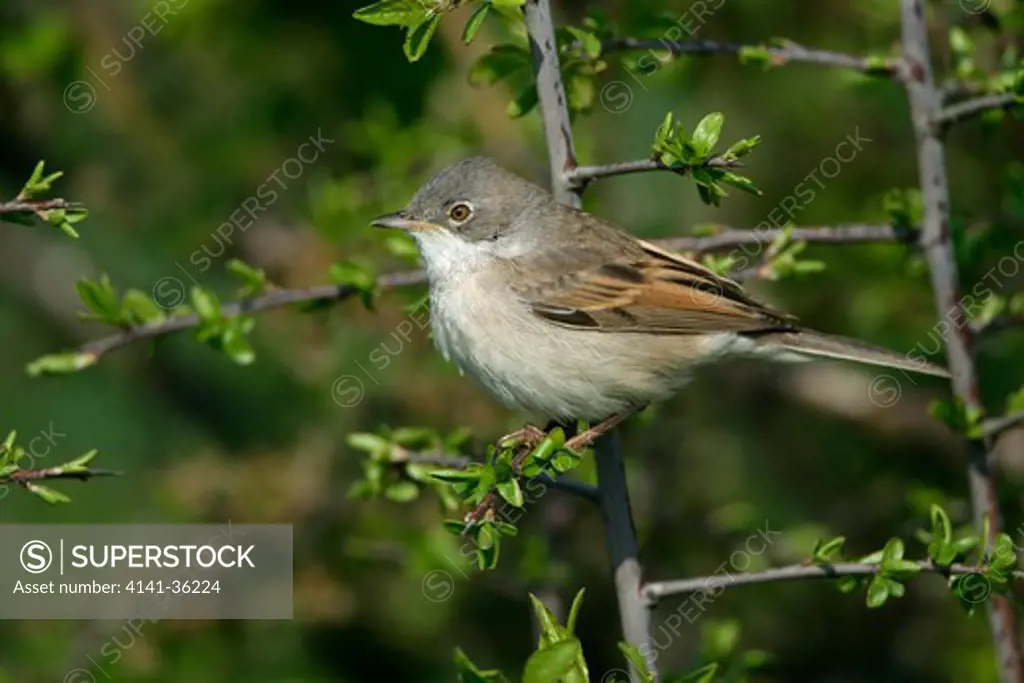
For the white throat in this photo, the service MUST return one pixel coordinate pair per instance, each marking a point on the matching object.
(446, 255)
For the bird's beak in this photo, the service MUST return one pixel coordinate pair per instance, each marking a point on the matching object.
(400, 220)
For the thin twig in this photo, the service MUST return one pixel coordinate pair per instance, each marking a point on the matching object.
(992, 428)
(581, 175)
(925, 104)
(726, 237)
(657, 591)
(21, 206)
(998, 324)
(577, 488)
(968, 109)
(784, 54)
(27, 477)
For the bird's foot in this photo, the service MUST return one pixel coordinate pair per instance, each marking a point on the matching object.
(528, 437)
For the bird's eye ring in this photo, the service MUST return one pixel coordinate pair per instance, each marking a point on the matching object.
(460, 213)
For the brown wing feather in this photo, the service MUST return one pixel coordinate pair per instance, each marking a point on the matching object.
(651, 290)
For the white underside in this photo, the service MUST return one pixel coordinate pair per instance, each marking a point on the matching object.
(538, 367)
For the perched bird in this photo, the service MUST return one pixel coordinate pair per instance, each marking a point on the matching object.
(561, 314)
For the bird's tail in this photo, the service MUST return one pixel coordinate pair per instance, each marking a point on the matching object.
(809, 343)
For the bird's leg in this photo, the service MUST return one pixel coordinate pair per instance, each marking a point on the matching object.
(589, 436)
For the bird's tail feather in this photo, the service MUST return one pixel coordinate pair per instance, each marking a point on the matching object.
(809, 343)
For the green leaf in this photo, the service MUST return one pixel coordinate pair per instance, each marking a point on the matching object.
(234, 343)
(418, 37)
(707, 132)
(637, 661)
(550, 630)
(878, 592)
(941, 527)
(524, 102)
(892, 552)
(358, 275)
(469, 673)
(512, 492)
(100, 298)
(60, 363)
(705, 674)
(574, 610)
(51, 496)
(402, 492)
(741, 148)
(255, 279)
(476, 20)
(455, 476)
(501, 62)
(511, 9)
(828, 551)
(81, 463)
(741, 182)
(391, 13)
(755, 55)
(367, 442)
(553, 662)
(205, 304)
(140, 309)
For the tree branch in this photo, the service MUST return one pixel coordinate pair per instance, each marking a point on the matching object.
(962, 111)
(925, 103)
(725, 238)
(21, 206)
(657, 591)
(27, 477)
(994, 427)
(613, 492)
(440, 459)
(581, 175)
(791, 52)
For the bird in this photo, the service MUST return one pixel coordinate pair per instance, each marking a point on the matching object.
(565, 316)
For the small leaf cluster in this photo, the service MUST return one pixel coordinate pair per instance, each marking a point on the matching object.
(228, 333)
(683, 153)
(388, 471)
(63, 218)
(1008, 79)
(944, 549)
(501, 477)
(559, 655)
(958, 416)
(11, 456)
(420, 18)
(361, 276)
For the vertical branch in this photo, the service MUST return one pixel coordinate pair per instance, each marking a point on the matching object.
(551, 93)
(613, 492)
(925, 105)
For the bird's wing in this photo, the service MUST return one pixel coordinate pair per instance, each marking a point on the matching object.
(641, 289)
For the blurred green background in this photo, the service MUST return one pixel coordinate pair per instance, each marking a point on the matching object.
(221, 92)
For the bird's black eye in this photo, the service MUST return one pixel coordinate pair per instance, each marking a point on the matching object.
(460, 212)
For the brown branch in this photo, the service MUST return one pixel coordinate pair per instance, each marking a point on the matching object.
(28, 477)
(581, 175)
(962, 111)
(21, 206)
(657, 591)
(791, 52)
(999, 324)
(993, 428)
(925, 105)
(726, 238)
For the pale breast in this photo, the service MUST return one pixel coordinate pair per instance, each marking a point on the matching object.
(539, 367)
